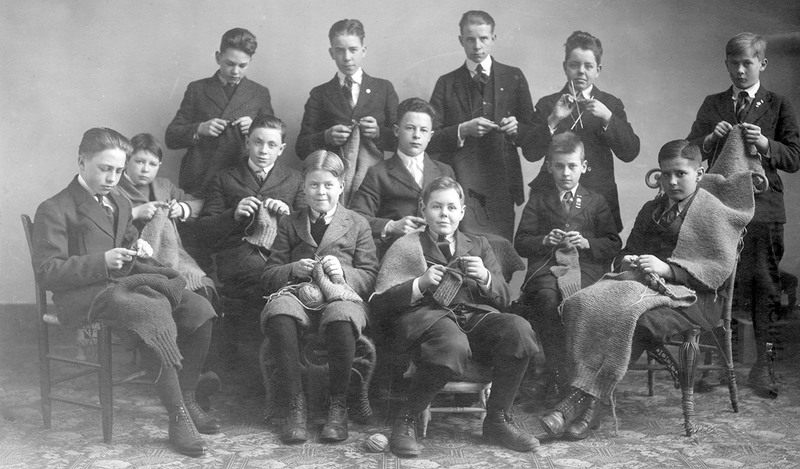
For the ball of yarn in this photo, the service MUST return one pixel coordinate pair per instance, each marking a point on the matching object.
(310, 295)
(376, 443)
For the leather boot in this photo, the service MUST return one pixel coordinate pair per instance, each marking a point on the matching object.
(403, 441)
(499, 427)
(762, 382)
(207, 385)
(294, 429)
(565, 412)
(183, 434)
(204, 423)
(579, 428)
(335, 428)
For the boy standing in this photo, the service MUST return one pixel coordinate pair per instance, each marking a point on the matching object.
(352, 108)
(569, 236)
(234, 203)
(771, 131)
(444, 327)
(483, 106)
(215, 114)
(389, 195)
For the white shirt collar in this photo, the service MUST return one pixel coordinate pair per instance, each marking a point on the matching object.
(328, 215)
(574, 191)
(435, 237)
(409, 161)
(750, 91)
(259, 170)
(83, 184)
(356, 77)
(486, 64)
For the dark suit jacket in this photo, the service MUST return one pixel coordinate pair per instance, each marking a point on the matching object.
(216, 221)
(600, 146)
(205, 99)
(347, 238)
(778, 123)
(389, 192)
(327, 106)
(411, 320)
(492, 170)
(590, 215)
(71, 234)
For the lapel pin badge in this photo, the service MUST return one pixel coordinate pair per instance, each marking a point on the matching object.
(578, 202)
(759, 103)
(368, 91)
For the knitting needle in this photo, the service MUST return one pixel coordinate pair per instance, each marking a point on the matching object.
(577, 105)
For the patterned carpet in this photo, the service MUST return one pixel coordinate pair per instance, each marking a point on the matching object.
(765, 433)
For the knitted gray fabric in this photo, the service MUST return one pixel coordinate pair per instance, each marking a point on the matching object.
(358, 155)
(567, 270)
(264, 227)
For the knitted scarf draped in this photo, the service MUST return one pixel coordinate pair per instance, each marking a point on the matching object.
(142, 303)
(600, 320)
(358, 156)
(162, 234)
(262, 229)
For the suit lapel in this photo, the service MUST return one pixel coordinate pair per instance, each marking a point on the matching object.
(241, 97)
(302, 226)
(430, 170)
(579, 203)
(340, 225)
(461, 89)
(334, 92)
(500, 87)
(364, 94)
(553, 203)
(725, 106)
(123, 214)
(463, 245)
(759, 106)
(88, 207)
(396, 170)
(431, 250)
(245, 178)
(216, 94)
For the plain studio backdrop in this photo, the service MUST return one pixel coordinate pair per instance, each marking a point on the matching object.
(68, 66)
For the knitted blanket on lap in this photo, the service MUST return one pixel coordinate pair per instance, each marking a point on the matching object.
(162, 234)
(142, 303)
(600, 320)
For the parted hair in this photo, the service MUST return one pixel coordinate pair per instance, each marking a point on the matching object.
(240, 39)
(269, 122)
(323, 160)
(146, 142)
(584, 40)
(475, 17)
(680, 149)
(415, 105)
(347, 27)
(98, 139)
(743, 43)
(565, 143)
(439, 184)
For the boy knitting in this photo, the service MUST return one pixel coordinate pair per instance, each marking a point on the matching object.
(442, 292)
(243, 206)
(771, 132)
(682, 249)
(569, 236)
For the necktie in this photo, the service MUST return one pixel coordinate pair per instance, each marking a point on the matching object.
(261, 176)
(480, 77)
(318, 228)
(566, 201)
(347, 89)
(415, 169)
(444, 246)
(742, 105)
(229, 89)
(106, 207)
(669, 215)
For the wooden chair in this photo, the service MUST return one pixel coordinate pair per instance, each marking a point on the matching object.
(102, 367)
(476, 380)
(687, 364)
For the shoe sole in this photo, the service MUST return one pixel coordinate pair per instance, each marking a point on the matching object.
(521, 449)
(405, 454)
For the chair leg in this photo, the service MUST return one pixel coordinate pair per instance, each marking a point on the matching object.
(44, 372)
(425, 420)
(689, 350)
(724, 344)
(651, 377)
(105, 381)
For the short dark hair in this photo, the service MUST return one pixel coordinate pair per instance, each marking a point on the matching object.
(680, 149)
(269, 122)
(415, 105)
(323, 160)
(146, 142)
(475, 17)
(98, 139)
(439, 184)
(240, 39)
(742, 42)
(565, 143)
(347, 27)
(583, 40)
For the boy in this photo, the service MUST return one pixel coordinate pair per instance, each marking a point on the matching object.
(597, 117)
(771, 131)
(389, 195)
(569, 237)
(484, 106)
(315, 247)
(216, 113)
(353, 107)
(443, 329)
(669, 284)
(86, 251)
(233, 204)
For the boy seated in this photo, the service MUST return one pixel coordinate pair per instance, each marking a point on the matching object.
(248, 199)
(216, 114)
(569, 236)
(352, 114)
(680, 252)
(87, 252)
(389, 194)
(157, 203)
(442, 291)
